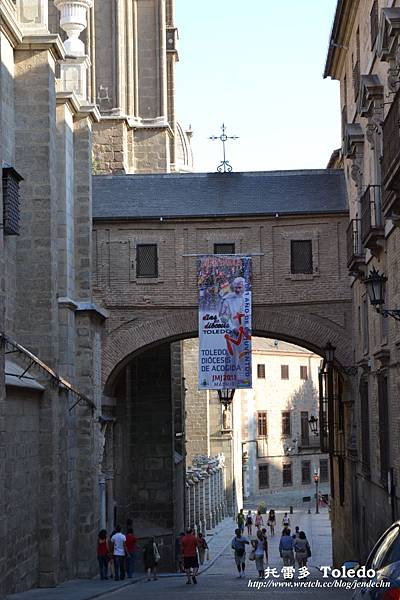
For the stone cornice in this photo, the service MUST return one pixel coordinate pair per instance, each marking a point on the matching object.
(91, 307)
(89, 110)
(50, 42)
(69, 98)
(9, 24)
(138, 123)
(346, 11)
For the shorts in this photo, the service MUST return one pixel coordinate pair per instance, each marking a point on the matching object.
(239, 560)
(190, 562)
(260, 562)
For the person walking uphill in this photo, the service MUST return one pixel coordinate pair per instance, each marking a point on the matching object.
(286, 548)
(151, 558)
(119, 551)
(202, 548)
(189, 544)
(103, 550)
(239, 546)
(240, 520)
(260, 546)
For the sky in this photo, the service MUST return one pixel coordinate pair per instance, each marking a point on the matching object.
(257, 66)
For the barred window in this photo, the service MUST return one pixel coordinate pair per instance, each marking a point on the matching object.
(374, 23)
(287, 474)
(262, 424)
(323, 470)
(305, 471)
(146, 260)
(11, 201)
(263, 476)
(303, 372)
(224, 248)
(261, 371)
(301, 259)
(284, 371)
(286, 427)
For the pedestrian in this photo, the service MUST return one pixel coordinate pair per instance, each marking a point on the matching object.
(302, 549)
(295, 536)
(201, 548)
(240, 520)
(259, 520)
(286, 520)
(189, 545)
(119, 552)
(178, 553)
(260, 546)
(249, 523)
(239, 546)
(151, 558)
(131, 549)
(103, 550)
(272, 521)
(286, 548)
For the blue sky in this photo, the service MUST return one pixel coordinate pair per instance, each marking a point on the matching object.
(258, 67)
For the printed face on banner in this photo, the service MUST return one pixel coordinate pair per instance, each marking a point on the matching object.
(224, 284)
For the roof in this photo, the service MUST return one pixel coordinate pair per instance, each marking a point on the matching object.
(277, 346)
(175, 195)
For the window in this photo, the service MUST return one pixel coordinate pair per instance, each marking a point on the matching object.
(224, 248)
(356, 67)
(286, 428)
(365, 447)
(146, 260)
(284, 371)
(305, 471)
(374, 23)
(301, 259)
(11, 201)
(287, 474)
(262, 424)
(323, 470)
(305, 435)
(261, 371)
(383, 426)
(263, 476)
(303, 372)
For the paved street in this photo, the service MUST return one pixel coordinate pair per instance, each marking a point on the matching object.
(218, 578)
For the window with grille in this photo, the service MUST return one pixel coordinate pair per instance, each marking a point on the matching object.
(263, 476)
(374, 23)
(287, 474)
(224, 248)
(261, 371)
(146, 260)
(303, 372)
(11, 201)
(305, 471)
(286, 428)
(305, 439)
(323, 470)
(284, 371)
(301, 259)
(365, 445)
(262, 424)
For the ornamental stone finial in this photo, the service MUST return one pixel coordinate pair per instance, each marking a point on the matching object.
(73, 21)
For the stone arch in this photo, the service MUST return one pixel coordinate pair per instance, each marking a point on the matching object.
(310, 331)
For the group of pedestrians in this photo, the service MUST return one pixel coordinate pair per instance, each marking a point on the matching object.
(292, 547)
(117, 554)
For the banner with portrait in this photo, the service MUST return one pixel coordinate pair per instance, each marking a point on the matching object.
(224, 284)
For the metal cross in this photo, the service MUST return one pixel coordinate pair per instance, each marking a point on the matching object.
(224, 167)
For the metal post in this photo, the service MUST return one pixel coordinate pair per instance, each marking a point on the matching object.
(316, 479)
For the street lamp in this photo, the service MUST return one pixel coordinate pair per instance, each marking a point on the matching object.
(313, 424)
(376, 288)
(316, 481)
(225, 397)
(329, 352)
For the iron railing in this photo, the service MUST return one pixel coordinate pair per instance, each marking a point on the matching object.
(391, 147)
(371, 212)
(354, 246)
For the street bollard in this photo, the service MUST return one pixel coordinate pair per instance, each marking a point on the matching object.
(291, 509)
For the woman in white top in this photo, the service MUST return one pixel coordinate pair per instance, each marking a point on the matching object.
(260, 546)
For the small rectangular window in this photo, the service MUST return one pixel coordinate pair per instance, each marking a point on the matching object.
(224, 248)
(284, 371)
(301, 259)
(262, 424)
(287, 474)
(286, 426)
(263, 476)
(11, 201)
(305, 471)
(374, 23)
(146, 260)
(323, 470)
(261, 371)
(303, 372)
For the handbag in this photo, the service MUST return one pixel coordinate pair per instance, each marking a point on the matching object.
(252, 555)
(308, 550)
(156, 553)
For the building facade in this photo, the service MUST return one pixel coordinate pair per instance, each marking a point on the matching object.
(363, 56)
(281, 453)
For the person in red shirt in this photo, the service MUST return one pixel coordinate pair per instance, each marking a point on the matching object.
(131, 548)
(189, 544)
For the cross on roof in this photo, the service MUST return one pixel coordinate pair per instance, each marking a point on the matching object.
(224, 166)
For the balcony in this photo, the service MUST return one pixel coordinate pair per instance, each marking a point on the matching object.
(391, 159)
(372, 229)
(355, 250)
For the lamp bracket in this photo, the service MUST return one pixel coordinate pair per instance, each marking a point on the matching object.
(388, 312)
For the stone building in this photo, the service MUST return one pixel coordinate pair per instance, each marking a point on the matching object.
(281, 453)
(364, 57)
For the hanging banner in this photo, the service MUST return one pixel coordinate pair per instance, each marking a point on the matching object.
(224, 284)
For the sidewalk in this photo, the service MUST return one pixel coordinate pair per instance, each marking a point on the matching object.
(85, 589)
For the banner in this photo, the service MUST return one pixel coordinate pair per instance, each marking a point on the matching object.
(224, 284)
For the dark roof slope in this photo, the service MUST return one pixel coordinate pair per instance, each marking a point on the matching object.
(117, 197)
